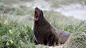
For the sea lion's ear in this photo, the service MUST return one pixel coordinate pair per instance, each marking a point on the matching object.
(41, 12)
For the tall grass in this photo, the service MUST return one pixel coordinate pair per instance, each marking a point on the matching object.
(76, 40)
(64, 23)
(20, 34)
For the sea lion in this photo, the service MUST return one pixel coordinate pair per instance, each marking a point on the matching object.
(45, 33)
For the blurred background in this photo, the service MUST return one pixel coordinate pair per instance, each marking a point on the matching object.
(16, 20)
(74, 8)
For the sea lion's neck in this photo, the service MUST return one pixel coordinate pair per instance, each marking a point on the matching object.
(42, 22)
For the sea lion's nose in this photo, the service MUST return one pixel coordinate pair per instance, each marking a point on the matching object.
(36, 8)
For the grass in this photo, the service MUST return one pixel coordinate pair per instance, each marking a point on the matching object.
(17, 31)
(19, 34)
(22, 35)
(64, 23)
(76, 40)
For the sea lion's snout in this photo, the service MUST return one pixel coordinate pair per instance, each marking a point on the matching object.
(36, 8)
(36, 14)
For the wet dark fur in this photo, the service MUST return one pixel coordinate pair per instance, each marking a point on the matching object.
(45, 33)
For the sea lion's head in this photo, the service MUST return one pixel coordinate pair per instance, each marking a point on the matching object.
(38, 14)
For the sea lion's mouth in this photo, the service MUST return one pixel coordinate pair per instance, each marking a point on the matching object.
(36, 14)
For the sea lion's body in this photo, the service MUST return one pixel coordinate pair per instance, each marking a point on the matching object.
(45, 33)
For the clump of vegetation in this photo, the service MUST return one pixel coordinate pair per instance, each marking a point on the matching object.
(14, 34)
(76, 40)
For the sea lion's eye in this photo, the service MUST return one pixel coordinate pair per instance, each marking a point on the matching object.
(41, 13)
